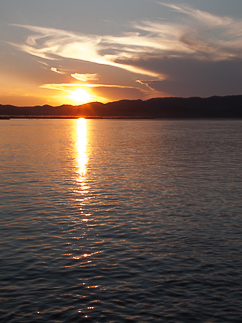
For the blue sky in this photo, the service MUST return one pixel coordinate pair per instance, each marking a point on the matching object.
(54, 52)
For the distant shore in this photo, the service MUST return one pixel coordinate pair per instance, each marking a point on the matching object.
(173, 107)
(71, 117)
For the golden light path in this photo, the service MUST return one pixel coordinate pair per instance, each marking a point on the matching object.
(81, 145)
(83, 188)
(81, 164)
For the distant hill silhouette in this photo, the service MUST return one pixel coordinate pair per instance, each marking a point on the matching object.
(173, 107)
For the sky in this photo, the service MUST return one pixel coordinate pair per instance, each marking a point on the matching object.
(72, 52)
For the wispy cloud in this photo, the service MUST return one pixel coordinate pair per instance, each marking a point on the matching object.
(197, 33)
(50, 43)
(55, 70)
(85, 77)
(67, 86)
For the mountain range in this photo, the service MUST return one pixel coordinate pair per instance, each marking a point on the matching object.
(172, 107)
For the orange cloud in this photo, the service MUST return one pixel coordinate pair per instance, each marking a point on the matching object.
(100, 92)
(66, 86)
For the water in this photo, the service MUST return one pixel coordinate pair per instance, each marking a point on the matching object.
(120, 221)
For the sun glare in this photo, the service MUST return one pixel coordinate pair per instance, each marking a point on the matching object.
(80, 96)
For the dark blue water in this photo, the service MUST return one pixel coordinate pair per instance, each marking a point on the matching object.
(120, 221)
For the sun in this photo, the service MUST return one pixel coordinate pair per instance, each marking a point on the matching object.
(80, 96)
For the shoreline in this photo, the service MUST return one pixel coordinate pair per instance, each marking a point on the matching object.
(119, 118)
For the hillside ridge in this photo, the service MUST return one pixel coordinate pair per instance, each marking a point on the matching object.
(168, 107)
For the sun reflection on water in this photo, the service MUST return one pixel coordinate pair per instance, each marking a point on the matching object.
(81, 144)
(81, 164)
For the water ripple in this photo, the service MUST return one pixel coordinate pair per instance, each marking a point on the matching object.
(121, 221)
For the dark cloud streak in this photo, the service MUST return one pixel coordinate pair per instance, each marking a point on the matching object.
(191, 77)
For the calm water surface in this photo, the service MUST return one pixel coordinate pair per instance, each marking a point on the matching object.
(120, 221)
